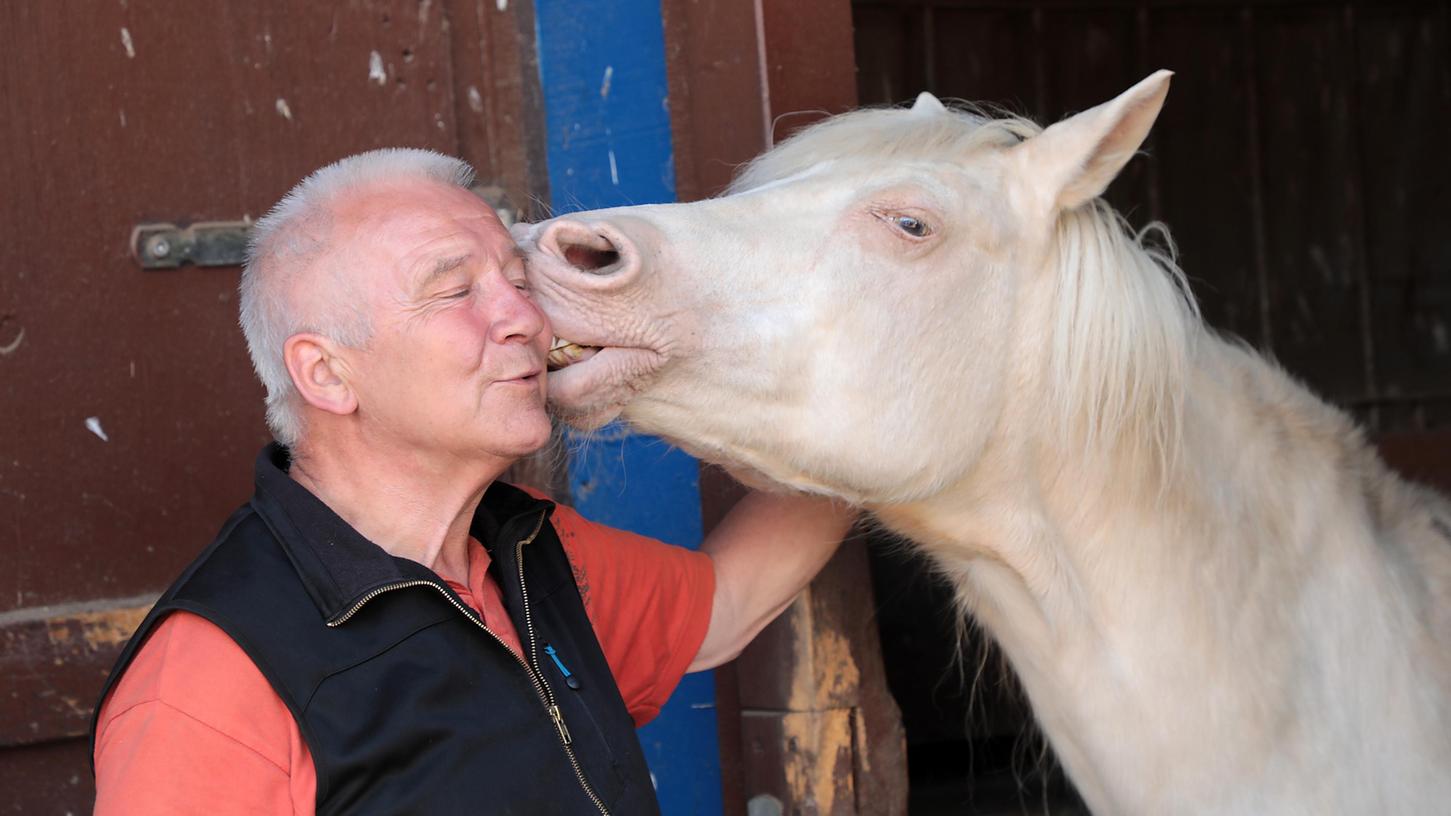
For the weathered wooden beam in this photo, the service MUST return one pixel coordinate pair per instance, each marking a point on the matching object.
(817, 672)
(804, 758)
(496, 96)
(54, 660)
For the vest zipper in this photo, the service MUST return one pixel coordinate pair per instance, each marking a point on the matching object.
(534, 663)
(541, 686)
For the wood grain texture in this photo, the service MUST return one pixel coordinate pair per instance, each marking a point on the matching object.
(1403, 95)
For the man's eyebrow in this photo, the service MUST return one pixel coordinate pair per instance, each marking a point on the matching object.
(442, 267)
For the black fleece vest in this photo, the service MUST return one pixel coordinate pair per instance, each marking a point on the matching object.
(407, 702)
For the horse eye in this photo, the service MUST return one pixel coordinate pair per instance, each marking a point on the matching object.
(915, 227)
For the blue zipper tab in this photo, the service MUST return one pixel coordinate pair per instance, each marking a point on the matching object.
(569, 679)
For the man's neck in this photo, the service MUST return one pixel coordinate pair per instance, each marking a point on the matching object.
(409, 503)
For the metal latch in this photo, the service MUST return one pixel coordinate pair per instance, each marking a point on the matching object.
(208, 243)
(224, 243)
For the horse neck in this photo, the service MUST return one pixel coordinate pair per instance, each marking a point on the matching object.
(1143, 599)
(1137, 531)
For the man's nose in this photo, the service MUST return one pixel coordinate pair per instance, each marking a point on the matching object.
(514, 316)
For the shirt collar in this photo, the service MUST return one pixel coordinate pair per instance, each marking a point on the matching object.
(337, 564)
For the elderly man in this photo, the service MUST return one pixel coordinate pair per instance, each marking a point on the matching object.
(384, 627)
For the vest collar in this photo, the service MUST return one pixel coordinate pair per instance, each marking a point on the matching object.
(337, 564)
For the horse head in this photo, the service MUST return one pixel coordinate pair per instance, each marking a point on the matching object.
(842, 320)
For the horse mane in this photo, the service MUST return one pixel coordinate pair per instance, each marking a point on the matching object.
(1125, 332)
(1126, 324)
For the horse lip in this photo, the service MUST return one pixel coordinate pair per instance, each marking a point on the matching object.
(576, 384)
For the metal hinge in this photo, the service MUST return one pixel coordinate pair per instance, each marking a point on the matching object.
(209, 243)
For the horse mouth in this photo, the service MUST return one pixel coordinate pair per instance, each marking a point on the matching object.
(564, 353)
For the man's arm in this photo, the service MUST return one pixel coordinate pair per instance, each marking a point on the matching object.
(765, 551)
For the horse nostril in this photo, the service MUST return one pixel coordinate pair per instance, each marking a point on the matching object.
(598, 250)
(590, 258)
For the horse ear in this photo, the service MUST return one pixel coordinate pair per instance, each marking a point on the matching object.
(927, 104)
(1073, 161)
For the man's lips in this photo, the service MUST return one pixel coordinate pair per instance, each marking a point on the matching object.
(528, 377)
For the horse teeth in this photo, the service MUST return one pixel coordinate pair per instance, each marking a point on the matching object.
(564, 353)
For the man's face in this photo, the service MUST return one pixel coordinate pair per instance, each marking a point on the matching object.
(455, 366)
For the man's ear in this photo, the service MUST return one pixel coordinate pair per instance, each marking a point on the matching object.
(319, 374)
(1072, 162)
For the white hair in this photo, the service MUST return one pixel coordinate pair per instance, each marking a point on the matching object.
(294, 239)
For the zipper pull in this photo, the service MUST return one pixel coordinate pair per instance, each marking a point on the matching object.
(569, 679)
(558, 717)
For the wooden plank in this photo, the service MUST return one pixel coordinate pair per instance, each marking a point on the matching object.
(718, 493)
(1404, 111)
(890, 65)
(54, 660)
(810, 68)
(51, 778)
(1205, 163)
(823, 654)
(717, 117)
(801, 761)
(1312, 219)
(986, 55)
(498, 111)
(1421, 456)
(1094, 57)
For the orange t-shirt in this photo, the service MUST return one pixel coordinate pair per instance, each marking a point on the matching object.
(194, 727)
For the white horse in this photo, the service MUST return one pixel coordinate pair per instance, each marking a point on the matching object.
(1217, 597)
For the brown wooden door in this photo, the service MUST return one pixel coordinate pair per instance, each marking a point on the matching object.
(129, 416)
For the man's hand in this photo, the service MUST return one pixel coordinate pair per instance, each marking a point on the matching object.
(765, 551)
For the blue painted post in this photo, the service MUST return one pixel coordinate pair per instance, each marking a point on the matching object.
(602, 72)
